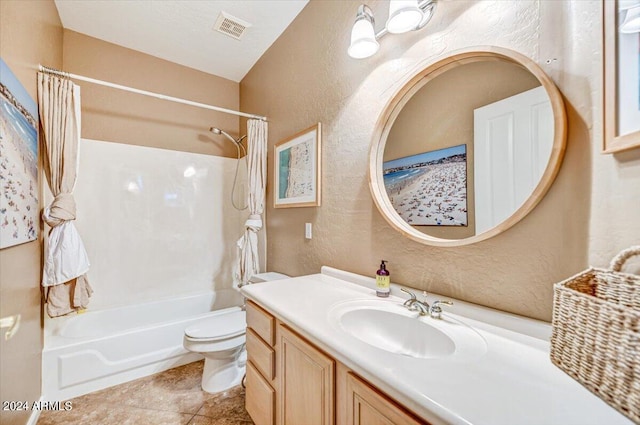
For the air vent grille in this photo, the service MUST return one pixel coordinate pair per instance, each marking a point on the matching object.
(231, 26)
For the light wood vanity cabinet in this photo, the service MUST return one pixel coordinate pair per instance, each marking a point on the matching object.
(291, 382)
(306, 382)
(367, 406)
(260, 397)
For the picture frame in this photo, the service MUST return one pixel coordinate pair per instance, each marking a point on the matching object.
(297, 169)
(19, 123)
(415, 186)
(621, 92)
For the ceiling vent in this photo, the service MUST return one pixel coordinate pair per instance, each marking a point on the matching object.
(231, 26)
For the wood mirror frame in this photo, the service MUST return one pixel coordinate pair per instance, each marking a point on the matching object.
(406, 92)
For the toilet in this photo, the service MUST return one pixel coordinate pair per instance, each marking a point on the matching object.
(221, 340)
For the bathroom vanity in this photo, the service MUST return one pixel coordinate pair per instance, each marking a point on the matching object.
(312, 385)
(323, 349)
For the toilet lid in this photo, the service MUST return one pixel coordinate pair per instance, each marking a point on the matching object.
(221, 326)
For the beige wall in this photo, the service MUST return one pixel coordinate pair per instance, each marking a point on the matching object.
(118, 116)
(306, 76)
(30, 33)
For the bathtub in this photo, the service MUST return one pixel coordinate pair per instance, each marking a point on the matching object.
(98, 349)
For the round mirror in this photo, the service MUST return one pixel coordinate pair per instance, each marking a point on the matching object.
(467, 147)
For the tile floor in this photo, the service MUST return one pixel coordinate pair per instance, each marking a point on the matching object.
(173, 397)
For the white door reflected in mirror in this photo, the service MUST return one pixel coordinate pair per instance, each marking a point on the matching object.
(512, 140)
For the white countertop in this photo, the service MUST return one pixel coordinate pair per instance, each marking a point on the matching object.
(512, 382)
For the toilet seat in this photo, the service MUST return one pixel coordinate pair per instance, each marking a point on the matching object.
(218, 327)
(221, 340)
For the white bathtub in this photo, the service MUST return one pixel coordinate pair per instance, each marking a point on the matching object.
(91, 351)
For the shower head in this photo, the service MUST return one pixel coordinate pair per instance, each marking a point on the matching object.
(216, 130)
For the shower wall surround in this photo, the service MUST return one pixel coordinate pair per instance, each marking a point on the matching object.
(586, 217)
(156, 223)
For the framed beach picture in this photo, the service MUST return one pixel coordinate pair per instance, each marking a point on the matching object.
(297, 164)
(18, 161)
(621, 75)
(430, 188)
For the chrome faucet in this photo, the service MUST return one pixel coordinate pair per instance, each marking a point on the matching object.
(436, 311)
(412, 304)
(422, 307)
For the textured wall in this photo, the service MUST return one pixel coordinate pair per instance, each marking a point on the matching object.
(118, 116)
(306, 76)
(30, 33)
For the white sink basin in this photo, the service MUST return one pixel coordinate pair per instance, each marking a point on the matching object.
(397, 334)
(389, 326)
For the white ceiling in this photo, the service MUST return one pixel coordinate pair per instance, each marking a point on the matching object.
(182, 31)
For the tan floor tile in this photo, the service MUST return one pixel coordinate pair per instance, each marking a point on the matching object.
(228, 405)
(174, 390)
(80, 413)
(184, 378)
(204, 420)
(171, 397)
(113, 415)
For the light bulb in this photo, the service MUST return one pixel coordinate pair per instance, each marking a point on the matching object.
(363, 37)
(404, 16)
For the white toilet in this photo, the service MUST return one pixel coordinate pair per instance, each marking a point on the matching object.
(221, 339)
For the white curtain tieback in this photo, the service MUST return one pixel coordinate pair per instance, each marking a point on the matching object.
(254, 222)
(63, 208)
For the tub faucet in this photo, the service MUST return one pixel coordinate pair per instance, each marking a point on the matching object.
(422, 307)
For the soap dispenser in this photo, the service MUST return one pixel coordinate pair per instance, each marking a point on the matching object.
(382, 281)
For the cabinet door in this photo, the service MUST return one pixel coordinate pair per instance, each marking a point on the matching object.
(366, 406)
(259, 397)
(306, 392)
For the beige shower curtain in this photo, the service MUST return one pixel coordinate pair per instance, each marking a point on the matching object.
(248, 257)
(65, 258)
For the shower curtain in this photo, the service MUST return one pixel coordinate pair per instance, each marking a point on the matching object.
(248, 257)
(65, 259)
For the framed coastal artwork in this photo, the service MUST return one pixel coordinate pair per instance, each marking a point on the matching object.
(430, 188)
(18, 162)
(297, 169)
(621, 39)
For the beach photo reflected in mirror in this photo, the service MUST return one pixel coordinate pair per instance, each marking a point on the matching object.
(429, 189)
(472, 143)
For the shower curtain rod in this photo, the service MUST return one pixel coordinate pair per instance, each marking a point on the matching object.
(64, 74)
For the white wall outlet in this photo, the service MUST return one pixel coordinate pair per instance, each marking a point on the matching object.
(307, 231)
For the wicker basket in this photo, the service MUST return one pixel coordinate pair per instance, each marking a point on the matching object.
(596, 333)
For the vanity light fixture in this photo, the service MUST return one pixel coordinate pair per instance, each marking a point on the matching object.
(404, 16)
(363, 37)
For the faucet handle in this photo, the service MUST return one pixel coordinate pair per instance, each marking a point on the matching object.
(411, 294)
(436, 311)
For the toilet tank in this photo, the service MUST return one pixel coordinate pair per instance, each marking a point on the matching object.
(265, 277)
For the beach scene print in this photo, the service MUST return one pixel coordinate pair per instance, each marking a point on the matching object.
(296, 170)
(18, 161)
(429, 189)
